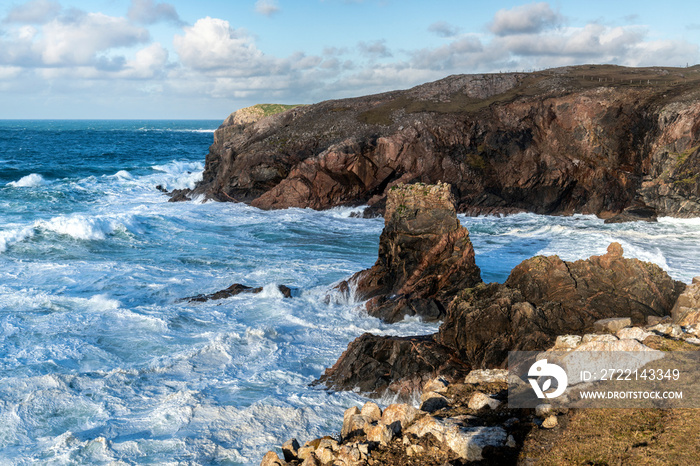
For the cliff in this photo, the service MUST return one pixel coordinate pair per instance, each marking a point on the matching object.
(586, 139)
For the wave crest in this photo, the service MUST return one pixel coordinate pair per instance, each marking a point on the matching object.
(30, 181)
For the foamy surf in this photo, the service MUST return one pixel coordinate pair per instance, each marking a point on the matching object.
(30, 181)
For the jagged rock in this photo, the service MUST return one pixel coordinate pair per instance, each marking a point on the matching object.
(686, 311)
(398, 416)
(234, 290)
(290, 450)
(478, 376)
(540, 142)
(654, 320)
(467, 442)
(545, 297)
(375, 364)
(612, 324)
(380, 433)
(371, 411)
(271, 459)
(639, 213)
(437, 385)
(425, 256)
(479, 400)
(311, 460)
(354, 423)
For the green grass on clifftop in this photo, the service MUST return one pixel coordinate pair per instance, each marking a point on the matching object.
(273, 109)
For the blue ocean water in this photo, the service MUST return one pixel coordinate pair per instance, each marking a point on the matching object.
(100, 361)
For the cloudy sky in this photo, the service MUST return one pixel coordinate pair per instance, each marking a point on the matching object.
(204, 59)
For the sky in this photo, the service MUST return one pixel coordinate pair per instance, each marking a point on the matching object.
(183, 59)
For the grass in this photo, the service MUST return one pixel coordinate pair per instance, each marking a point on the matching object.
(273, 109)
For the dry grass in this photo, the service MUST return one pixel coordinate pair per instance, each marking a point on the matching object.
(618, 437)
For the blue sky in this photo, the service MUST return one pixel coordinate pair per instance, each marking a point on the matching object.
(204, 59)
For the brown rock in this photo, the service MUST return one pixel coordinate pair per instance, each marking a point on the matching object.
(290, 450)
(545, 297)
(548, 144)
(374, 364)
(371, 411)
(425, 256)
(234, 290)
(612, 324)
(271, 459)
(686, 311)
(399, 416)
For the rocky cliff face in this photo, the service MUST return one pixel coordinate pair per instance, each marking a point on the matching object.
(425, 256)
(589, 139)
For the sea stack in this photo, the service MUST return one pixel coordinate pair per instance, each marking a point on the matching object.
(425, 256)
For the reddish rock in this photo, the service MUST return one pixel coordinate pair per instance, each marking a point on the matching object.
(544, 297)
(400, 365)
(425, 256)
(550, 142)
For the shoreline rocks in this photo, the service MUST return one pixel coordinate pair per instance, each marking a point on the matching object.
(472, 424)
(425, 256)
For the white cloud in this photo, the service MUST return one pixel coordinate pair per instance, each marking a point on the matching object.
(78, 40)
(150, 12)
(34, 12)
(267, 7)
(531, 18)
(212, 44)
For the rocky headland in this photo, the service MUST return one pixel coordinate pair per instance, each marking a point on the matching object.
(603, 303)
(621, 143)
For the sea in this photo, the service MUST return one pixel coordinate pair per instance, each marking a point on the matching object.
(102, 362)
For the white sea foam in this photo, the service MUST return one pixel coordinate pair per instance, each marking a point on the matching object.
(30, 181)
(13, 236)
(89, 228)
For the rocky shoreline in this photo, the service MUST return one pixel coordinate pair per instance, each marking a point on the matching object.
(426, 262)
(469, 421)
(621, 143)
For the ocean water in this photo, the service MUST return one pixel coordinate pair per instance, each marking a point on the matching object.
(100, 361)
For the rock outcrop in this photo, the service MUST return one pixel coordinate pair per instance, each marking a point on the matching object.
(588, 139)
(234, 290)
(425, 256)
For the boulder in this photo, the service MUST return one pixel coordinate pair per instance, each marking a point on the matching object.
(425, 256)
(290, 450)
(632, 333)
(374, 364)
(686, 311)
(612, 324)
(480, 400)
(398, 416)
(271, 459)
(467, 442)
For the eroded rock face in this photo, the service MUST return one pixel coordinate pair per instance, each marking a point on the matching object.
(551, 142)
(401, 365)
(544, 297)
(425, 256)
